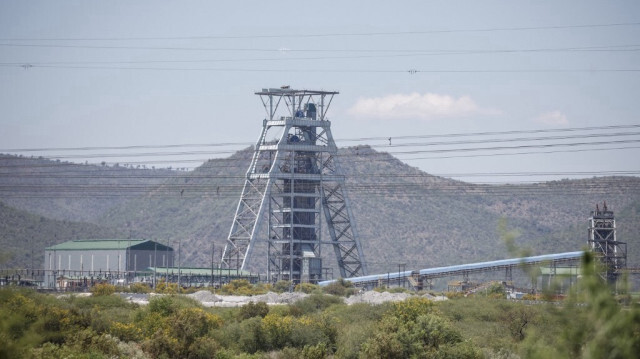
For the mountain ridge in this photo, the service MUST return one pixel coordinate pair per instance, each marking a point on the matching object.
(403, 215)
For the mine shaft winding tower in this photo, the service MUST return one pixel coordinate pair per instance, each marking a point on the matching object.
(604, 244)
(294, 182)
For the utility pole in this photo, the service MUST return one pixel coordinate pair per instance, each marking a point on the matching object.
(32, 268)
(179, 260)
(212, 255)
(401, 267)
(155, 262)
(128, 265)
(166, 275)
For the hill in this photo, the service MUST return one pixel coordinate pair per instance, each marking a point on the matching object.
(23, 236)
(403, 214)
(70, 191)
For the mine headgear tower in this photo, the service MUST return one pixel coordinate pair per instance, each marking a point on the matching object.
(294, 180)
(602, 241)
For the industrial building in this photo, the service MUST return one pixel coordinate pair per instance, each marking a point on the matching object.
(80, 262)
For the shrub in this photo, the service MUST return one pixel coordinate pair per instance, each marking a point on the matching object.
(315, 303)
(190, 323)
(318, 351)
(127, 332)
(89, 341)
(162, 305)
(245, 336)
(277, 330)
(101, 289)
(306, 288)
(517, 318)
(167, 288)
(282, 286)
(139, 288)
(169, 304)
(414, 331)
(251, 309)
(409, 309)
(340, 287)
(243, 287)
(162, 345)
(454, 295)
(203, 348)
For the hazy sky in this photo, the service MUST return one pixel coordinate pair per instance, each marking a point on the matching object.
(80, 74)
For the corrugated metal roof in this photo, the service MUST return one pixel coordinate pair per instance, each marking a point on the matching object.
(96, 244)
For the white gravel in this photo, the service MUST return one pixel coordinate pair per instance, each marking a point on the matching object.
(209, 299)
(373, 297)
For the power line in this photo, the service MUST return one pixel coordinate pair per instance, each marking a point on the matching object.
(346, 139)
(365, 158)
(381, 53)
(489, 133)
(334, 70)
(604, 185)
(440, 150)
(338, 34)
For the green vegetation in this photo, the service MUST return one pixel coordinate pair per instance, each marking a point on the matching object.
(591, 323)
(340, 287)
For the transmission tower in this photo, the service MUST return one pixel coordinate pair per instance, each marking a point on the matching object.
(611, 253)
(294, 180)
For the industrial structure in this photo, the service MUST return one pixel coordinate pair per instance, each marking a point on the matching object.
(79, 261)
(420, 278)
(294, 184)
(612, 254)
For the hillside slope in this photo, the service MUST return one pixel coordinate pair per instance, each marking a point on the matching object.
(403, 214)
(70, 191)
(23, 234)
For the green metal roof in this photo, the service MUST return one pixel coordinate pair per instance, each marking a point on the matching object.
(97, 244)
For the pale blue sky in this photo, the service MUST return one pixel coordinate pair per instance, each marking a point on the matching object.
(92, 78)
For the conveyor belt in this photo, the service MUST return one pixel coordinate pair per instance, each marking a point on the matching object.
(438, 272)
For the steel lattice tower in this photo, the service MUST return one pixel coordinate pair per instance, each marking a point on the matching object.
(604, 245)
(294, 181)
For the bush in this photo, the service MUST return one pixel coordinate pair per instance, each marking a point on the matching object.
(282, 286)
(203, 348)
(277, 330)
(315, 303)
(101, 289)
(454, 295)
(245, 336)
(251, 309)
(414, 331)
(340, 287)
(139, 288)
(127, 332)
(243, 287)
(162, 305)
(306, 288)
(409, 309)
(191, 323)
(167, 288)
